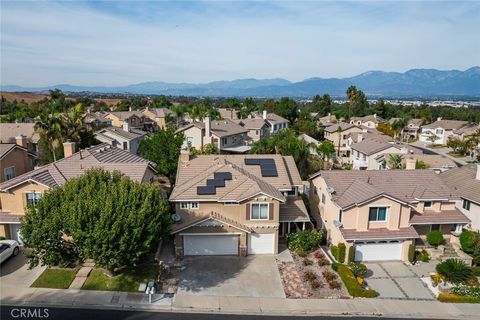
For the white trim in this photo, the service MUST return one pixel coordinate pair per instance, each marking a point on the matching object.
(25, 181)
(210, 234)
(378, 221)
(184, 203)
(261, 193)
(9, 222)
(206, 219)
(379, 239)
(259, 203)
(194, 208)
(430, 223)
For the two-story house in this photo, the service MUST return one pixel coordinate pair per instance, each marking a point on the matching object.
(159, 116)
(412, 129)
(382, 213)
(338, 134)
(10, 131)
(15, 159)
(226, 135)
(124, 138)
(134, 119)
(465, 181)
(236, 204)
(257, 128)
(324, 121)
(26, 189)
(439, 131)
(274, 121)
(370, 121)
(95, 120)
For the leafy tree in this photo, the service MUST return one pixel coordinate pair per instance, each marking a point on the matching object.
(398, 126)
(322, 104)
(101, 215)
(357, 102)
(163, 149)
(206, 149)
(419, 164)
(435, 238)
(395, 161)
(326, 150)
(286, 108)
(307, 124)
(49, 126)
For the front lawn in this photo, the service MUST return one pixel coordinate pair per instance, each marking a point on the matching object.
(128, 280)
(55, 278)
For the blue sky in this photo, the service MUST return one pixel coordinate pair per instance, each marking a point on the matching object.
(117, 43)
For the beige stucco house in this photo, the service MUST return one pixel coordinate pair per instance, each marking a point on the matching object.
(382, 213)
(236, 204)
(134, 119)
(124, 138)
(257, 128)
(15, 159)
(441, 130)
(159, 116)
(370, 121)
(338, 134)
(26, 189)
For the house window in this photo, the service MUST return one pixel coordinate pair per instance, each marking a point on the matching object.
(190, 141)
(31, 198)
(466, 205)
(340, 213)
(125, 145)
(9, 173)
(435, 227)
(194, 205)
(377, 214)
(224, 141)
(259, 211)
(323, 198)
(292, 192)
(183, 205)
(427, 204)
(438, 131)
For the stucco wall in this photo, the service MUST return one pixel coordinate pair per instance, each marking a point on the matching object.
(19, 159)
(13, 201)
(473, 214)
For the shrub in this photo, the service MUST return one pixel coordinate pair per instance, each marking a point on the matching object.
(2, 238)
(351, 253)
(329, 275)
(307, 262)
(334, 251)
(358, 269)
(476, 271)
(435, 238)
(447, 297)
(470, 291)
(467, 241)
(411, 253)
(318, 254)
(454, 270)
(352, 285)
(309, 276)
(305, 240)
(323, 262)
(341, 252)
(333, 284)
(422, 256)
(301, 253)
(315, 284)
(335, 266)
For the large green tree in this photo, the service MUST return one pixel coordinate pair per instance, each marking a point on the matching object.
(163, 149)
(101, 215)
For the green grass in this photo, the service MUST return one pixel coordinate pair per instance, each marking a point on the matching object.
(128, 280)
(448, 297)
(55, 278)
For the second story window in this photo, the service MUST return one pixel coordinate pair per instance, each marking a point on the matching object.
(377, 214)
(323, 198)
(183, 205)
(224, 141)
(125, 145)
(194, 205)
(340, 214)
(438, 131)
(259, 211)
(466, 204)
(31, 198)
(9, 173)
(427, 204)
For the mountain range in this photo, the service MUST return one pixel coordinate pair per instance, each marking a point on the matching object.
(412, 83)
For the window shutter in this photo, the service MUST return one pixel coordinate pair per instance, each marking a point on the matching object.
(270, 207)
(247, 211)
(24, 200)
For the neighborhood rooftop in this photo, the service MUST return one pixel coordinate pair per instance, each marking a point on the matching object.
(464, 182)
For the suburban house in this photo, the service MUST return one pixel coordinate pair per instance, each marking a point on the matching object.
(274, 121)
(134, 119)
(10, 131)
(382, 213)
(324, 121)
(370, 121)
(436, 162)
(225, 135)
(236, 204)
(15, 159)
(159, 116)
(228, 113)
(26, 189)
(441, 130)
(310, 140)
(124, 138)
(96, 119)
(338, 134)
(257, 128)
(412, 129)
(465, 181)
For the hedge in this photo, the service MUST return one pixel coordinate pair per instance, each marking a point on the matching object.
(447, 297)
(352, 285)
(411, 253)
(341, 252)
(435, 238)
(351, 254)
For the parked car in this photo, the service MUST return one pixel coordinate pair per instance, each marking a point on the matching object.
(8, 248)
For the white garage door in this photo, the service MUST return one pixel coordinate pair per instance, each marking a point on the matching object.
(378, 251)
(261, 243)
(15, 233)
(210, 245)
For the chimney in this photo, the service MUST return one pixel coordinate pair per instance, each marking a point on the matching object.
(360, 137)
(410, 164)
(129, 108)
(68, 148)
(125, 126)
(185, 154)
(231, 114)
(264, 114)
(478, 172)
(439, 118)
(207, 127)
(21, 140)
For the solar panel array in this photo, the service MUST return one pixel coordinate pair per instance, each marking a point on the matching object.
(267, 166)
(218, 181)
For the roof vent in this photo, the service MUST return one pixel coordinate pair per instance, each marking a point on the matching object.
(330, 190)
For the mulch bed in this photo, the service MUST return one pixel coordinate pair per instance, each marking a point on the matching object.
(295, 276)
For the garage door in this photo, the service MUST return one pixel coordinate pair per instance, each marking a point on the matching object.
(15, 233)
(378, 251)
(210, 245)
(261, 243)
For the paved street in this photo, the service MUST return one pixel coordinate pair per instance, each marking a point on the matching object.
(396, 280)
(441, 151)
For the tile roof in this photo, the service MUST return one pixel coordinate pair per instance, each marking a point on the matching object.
(369, 147)
(415, 122)
(8, 132)
(247, 180)
(343, 125)
(272, 118)
(123, 115)
(443, 217)
(370, 135)
(99, 156)
(462, 181)
(379, 233)
(467, 130)
(352, 187)
(255, 123)
(128, 135)
(5, 148)
(446, 124)
(220, 128)
(435, 161)
(160, 112)
(228, 113)
(370, 117)
(294, 210)
(190, 220)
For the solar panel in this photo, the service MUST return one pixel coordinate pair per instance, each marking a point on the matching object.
(267, 166)
(269, 173)
(252, 161)
(206, 190)
(216, 182)
(267, 161)
(222, 175)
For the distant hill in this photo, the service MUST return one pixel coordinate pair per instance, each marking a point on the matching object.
(413, 83)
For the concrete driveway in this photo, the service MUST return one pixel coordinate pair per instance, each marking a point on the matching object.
(395, 280)
(14, 272)
(252, 276)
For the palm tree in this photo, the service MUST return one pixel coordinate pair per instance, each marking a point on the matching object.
(49, 125)
(398, 126)
(72, 123)
(395, 161)
(325, 150)
(339, 131)
(179, 112)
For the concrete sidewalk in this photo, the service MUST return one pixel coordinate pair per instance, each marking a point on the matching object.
(235, 305)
